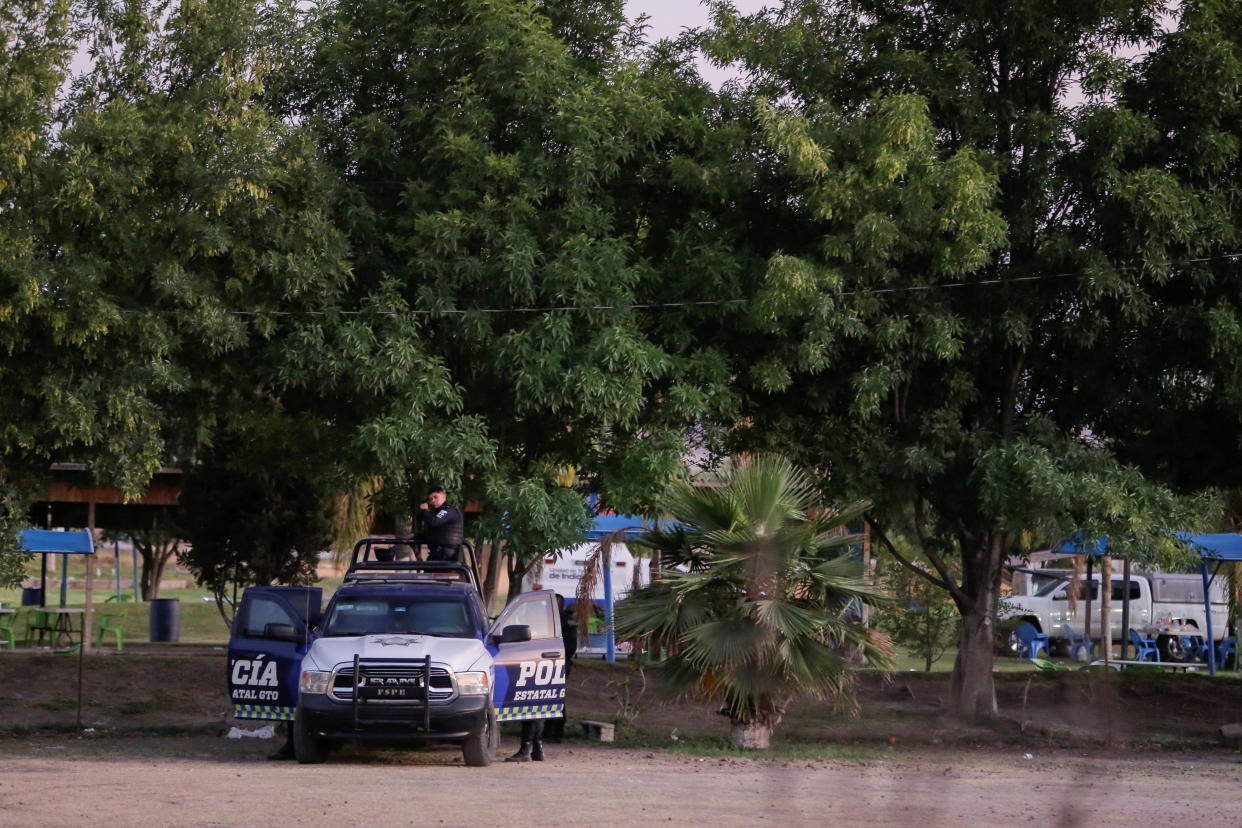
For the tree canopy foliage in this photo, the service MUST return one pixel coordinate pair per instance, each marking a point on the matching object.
(488, 172)
(168, 217)
(255, 510)
(975, 348)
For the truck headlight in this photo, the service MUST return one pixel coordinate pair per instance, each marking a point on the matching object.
(314, 681)
(473, 684)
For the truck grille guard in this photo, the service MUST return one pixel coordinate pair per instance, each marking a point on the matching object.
(403, 666)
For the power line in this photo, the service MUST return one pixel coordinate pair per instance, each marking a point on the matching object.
(705, 303)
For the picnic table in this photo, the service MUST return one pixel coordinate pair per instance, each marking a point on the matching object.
(63, 628)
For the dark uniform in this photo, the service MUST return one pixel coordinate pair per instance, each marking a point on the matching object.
(441, 531)
(533, 731)
(554, 731)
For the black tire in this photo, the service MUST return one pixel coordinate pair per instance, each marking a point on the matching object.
(308, 748)
(1013, 644)
(1172, 649)
(479, 749)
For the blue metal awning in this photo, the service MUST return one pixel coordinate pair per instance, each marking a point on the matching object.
(1224, 546)
(1217, 547)
(45, 541)
(605, 525)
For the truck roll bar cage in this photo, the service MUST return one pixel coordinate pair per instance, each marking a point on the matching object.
(374, 559)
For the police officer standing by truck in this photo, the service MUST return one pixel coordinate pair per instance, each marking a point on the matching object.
(555, 729)
(441, 526)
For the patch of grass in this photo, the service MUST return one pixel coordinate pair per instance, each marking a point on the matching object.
(162, 700)
(159, 700)
(18, 730)
(58, 703)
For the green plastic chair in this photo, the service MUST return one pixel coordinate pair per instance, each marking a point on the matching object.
(110, 622)
(8, 629)
(38, 622)
(1049, 666)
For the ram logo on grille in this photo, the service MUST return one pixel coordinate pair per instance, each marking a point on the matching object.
(389, 681)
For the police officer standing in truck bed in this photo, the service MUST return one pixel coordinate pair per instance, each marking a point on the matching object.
(441, 526)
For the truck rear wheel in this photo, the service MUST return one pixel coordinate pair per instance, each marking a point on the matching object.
(479, 749)
(308, 748)
(1172, 649)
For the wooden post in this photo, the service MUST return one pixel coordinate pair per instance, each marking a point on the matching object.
(1125, 608)
(1106, 606)
(90, 577)
(1086, 591)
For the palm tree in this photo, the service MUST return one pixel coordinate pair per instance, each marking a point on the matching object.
(761, 614)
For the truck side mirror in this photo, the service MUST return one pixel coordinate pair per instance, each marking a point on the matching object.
(514, 633)
(281, 632)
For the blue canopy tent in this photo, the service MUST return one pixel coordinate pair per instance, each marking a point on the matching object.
(1218, 547)
(46, 542)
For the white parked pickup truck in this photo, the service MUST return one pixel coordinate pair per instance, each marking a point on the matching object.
(1164, 606)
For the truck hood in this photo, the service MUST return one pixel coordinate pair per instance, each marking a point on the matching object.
(455, 653)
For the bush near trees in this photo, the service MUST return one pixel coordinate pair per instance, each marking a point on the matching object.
(256, 510)
(920, 615)
(761, 616)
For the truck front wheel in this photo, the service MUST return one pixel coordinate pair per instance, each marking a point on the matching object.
(479, 749)
(308, 748)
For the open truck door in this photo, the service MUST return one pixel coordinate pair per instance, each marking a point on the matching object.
(271, 632)
(529, 657)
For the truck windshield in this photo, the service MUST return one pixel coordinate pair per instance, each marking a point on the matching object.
(1050, 587)
(400, 614)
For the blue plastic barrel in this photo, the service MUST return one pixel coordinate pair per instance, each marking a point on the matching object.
(166, 619)
(32, 596)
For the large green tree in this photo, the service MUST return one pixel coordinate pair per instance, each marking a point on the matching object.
(170, 220)
(488, 154)
(36, 44)
(949, 361)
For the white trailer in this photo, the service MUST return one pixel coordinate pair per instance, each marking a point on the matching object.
(563, 572)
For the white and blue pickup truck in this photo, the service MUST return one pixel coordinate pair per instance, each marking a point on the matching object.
(404, 653)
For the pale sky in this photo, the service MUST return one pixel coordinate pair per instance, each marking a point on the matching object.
(669, 17)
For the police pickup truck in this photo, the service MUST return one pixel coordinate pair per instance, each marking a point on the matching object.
(403, 654)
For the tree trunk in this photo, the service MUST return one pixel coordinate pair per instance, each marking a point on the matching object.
(155, 556)
(973, 691)
(751, 736)
(492, 561)
(519, 568)
(1106, 608)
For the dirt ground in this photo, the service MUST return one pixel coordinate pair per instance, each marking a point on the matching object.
(1070, 748)
(197, 781)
